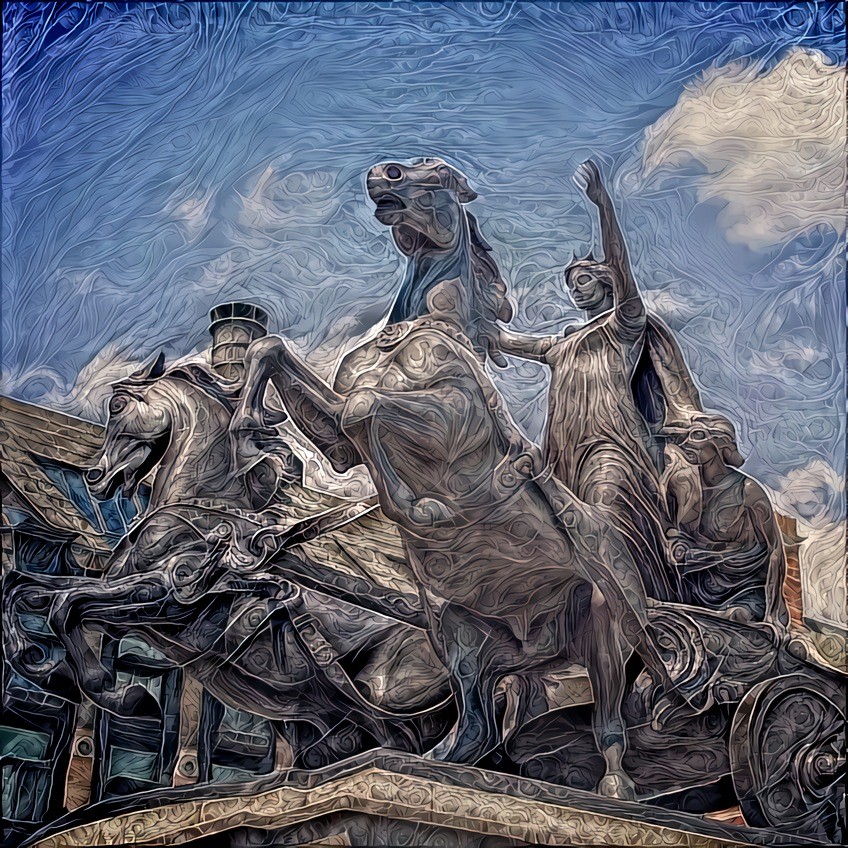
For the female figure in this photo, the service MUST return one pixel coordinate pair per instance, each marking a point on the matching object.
(599, 440)
(728, 545)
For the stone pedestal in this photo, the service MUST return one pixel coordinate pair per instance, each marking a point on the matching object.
(383, 798)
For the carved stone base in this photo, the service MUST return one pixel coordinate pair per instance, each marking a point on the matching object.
(383, 798)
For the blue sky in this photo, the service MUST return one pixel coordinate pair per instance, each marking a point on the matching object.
(161, 158)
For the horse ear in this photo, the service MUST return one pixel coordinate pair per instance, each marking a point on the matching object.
(151, 369)
(463, 190)
(453, 179)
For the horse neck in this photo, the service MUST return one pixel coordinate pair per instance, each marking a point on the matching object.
(426, 269)
(197, 463)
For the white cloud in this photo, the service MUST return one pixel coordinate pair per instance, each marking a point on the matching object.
(192, 213)
(87, 396)
(279, 198)
(669, 304)
(770, 143)
(823, 560)
(814, 495)
(92, 388)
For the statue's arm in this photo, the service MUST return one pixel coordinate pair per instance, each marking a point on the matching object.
(681, 485)
(630, 314)
(526, 345)
(766, 526)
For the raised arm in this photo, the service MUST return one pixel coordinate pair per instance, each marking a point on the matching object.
(630, 314)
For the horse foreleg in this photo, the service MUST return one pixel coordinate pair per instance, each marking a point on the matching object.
(314, 406)
(606, 653)
(29, 653)
(116, 606)
(468, 650)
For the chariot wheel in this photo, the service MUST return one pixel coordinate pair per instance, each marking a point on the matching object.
(787, 754)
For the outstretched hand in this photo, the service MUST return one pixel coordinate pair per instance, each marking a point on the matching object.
(588, 179)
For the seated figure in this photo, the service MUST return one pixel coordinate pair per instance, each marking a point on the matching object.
(728, 545)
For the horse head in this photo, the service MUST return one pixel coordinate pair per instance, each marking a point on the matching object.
(175, 421)
(138, 433)
(424, 203)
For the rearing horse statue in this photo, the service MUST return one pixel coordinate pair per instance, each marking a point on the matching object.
(516, 573)
(186, 580)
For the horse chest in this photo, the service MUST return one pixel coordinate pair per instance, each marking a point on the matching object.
(421, 390)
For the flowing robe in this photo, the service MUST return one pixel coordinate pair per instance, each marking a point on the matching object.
(599, 444)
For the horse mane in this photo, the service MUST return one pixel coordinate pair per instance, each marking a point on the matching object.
(201, 377)
(490, 287)
(490, 291)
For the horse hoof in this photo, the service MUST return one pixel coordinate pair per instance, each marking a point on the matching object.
(618, 786)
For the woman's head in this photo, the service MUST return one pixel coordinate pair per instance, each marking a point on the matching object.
(706, 437)
(590, 285)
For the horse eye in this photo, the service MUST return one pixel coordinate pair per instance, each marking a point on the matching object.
(117, 403)
(699, 435)
(393, 172)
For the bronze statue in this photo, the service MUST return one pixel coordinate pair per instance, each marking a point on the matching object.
(728, 545)
(511, 576)
(516, 572)
(598, 441)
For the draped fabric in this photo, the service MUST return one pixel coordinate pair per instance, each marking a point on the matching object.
(598, 444)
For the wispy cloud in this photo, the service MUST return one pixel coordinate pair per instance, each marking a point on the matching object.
(770, 144)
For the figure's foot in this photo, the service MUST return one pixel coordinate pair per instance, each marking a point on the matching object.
(617, 785)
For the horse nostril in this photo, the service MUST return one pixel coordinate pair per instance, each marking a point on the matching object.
(93, 475)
